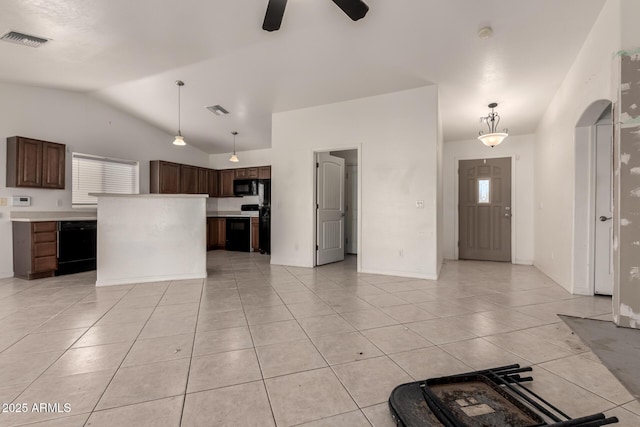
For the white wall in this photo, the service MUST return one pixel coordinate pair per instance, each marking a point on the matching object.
(397, 135)
(84, 125)
(150, 238)
(247, 159)
(589, 79)
(520, 147)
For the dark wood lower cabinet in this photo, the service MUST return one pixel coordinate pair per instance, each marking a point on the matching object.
(35, 249)
(216, 233)
(255, 234)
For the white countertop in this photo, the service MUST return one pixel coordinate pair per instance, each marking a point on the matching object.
(221, 214)
(153, 195)
(32, 216)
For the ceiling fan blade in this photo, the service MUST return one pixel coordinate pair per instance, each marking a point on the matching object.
(273, 17)
(355, 9)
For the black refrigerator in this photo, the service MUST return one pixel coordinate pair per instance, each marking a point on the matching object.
(264, 198)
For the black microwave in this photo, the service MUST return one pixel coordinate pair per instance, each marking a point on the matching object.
(245, 187)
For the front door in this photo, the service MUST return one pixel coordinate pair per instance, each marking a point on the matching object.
(603, 262)
(330, 209)
(484, 208)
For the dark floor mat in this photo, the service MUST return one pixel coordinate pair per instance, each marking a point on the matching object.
(617, 348)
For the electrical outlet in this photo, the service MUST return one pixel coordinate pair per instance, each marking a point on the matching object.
(420, 204)
(3, 201)
(401, 253)
(59, 202)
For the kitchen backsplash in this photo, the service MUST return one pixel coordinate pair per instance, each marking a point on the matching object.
(230, 203)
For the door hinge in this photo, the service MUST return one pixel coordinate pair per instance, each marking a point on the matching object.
(317, 247)
(317, 206)
(317, 164)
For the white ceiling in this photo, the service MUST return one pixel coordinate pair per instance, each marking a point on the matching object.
(129, 54)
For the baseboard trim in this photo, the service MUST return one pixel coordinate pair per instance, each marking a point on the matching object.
(147, 279)
(410, 275)
(523, 261)
(6, 274)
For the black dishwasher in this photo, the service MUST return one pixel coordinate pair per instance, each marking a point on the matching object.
(238, 234)
(77, 243)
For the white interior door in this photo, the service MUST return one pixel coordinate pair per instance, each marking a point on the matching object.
(603, 254)
(330, 205)
(351, 225)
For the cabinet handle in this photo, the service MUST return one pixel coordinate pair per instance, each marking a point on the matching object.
(57, 244)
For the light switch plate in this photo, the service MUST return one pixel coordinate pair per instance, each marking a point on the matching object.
(3, 201)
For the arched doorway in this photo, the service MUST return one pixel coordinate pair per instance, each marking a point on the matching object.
(593, 203)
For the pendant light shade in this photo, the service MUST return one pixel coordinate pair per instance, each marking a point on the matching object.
(492, 138)
(179, 140)
(234, 157)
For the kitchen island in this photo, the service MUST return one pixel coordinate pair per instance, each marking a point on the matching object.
(150, 237)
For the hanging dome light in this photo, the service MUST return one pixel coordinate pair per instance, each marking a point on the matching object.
(179, 140)
(234, 157)
(492, 138)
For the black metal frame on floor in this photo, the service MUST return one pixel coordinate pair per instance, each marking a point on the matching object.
(508, 378)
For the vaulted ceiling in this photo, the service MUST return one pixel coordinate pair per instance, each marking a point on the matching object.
(129, 54)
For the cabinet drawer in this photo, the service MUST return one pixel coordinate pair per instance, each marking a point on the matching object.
(38, 227)
(44, 237)
(47, 263)
(44, 249)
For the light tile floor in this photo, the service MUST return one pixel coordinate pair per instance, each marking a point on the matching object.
(263, 345)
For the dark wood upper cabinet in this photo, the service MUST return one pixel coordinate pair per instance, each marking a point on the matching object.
(203, 181)
(165, 177)
(173, 178)
(35, 163)
(226, 182)
(214, 186)
(188, 179)
(53, 164)
(241, 173)
(264, 172)
(252, 173)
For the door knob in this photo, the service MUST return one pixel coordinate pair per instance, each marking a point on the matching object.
(507, 215)
(604, 218)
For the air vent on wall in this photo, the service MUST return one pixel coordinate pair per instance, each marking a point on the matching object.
(23, 39)
(218, 110)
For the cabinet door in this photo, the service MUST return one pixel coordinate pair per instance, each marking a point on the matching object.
(241, 173)
(53, 165)
(255, 234)
(222, 232)
(188, 179)
(203, 181)
(252, 172)
(214, 186)
(212, 233)
(169, 177)
(226, 182)
(29, 167)
(264, 172)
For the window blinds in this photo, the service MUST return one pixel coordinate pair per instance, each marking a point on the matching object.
(93, 174)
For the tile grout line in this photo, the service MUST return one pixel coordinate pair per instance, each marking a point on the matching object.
(128, 351)
(193, 347)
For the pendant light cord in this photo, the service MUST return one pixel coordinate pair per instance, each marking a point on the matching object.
(179, 111)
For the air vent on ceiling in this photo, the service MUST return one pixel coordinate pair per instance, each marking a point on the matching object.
(218, 110)
(23, 39)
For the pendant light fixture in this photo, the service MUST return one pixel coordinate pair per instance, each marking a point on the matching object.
(492, 138)
(179, 138)
(233, 157)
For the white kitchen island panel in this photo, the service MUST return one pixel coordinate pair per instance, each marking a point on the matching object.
(151, 237)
